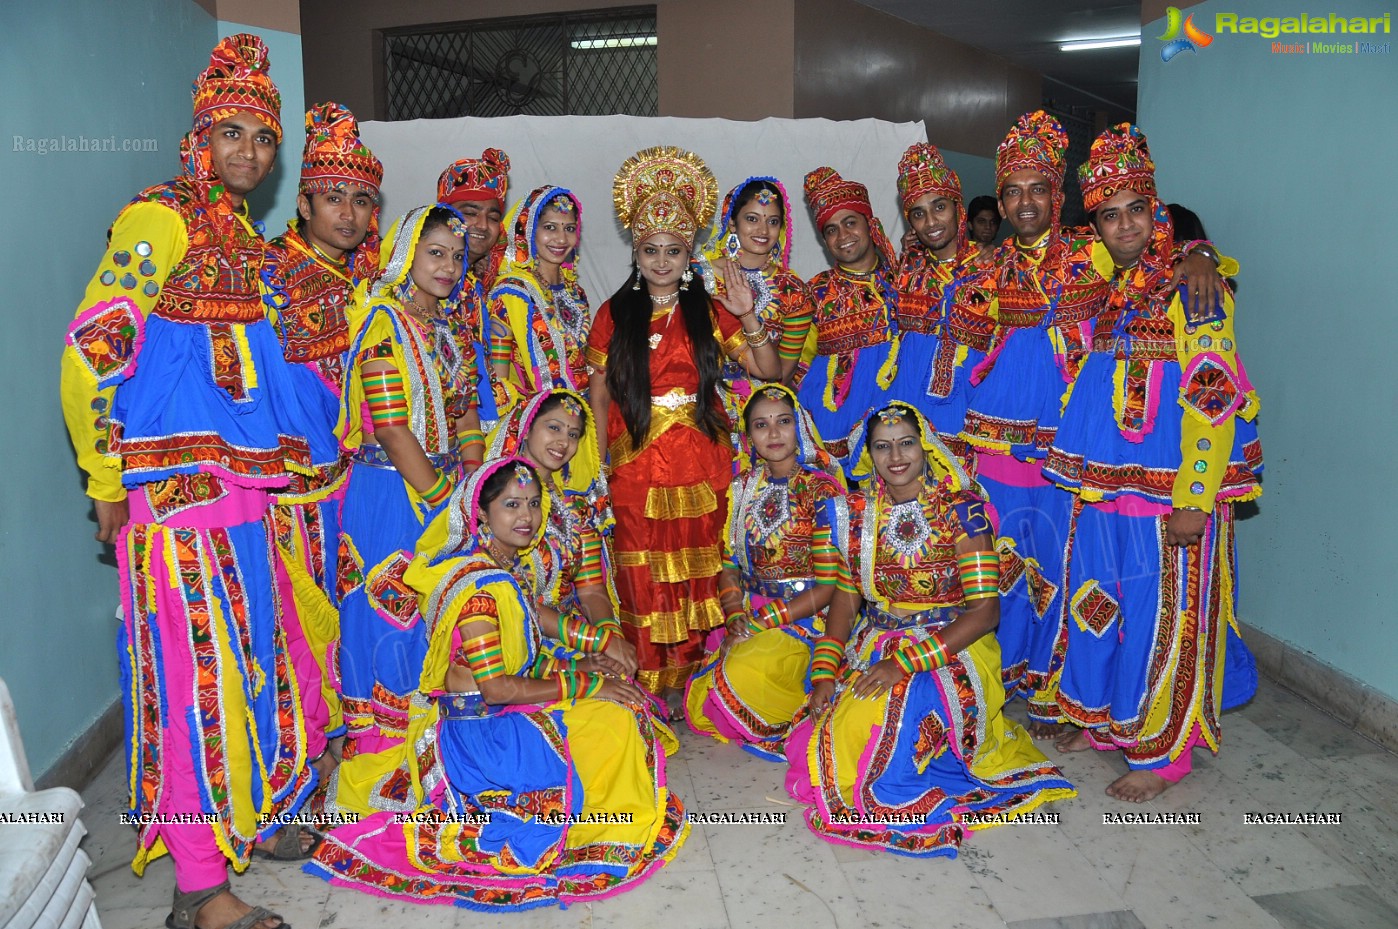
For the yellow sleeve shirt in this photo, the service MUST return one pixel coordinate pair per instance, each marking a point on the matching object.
(147, 241)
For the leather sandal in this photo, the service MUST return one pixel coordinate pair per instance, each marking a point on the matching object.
(186, 909)
(288, 847)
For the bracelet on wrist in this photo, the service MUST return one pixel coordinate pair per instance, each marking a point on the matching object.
(769, 616)
(438, 493)
(759, 338)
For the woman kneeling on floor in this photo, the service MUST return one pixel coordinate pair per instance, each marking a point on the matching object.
(904, 746)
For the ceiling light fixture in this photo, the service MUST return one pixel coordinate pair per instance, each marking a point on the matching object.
(1084, 45)
(615, 42)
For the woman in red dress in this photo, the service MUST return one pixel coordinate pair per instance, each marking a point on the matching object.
(656, 350)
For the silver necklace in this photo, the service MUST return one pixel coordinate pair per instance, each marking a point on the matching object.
(908, 530)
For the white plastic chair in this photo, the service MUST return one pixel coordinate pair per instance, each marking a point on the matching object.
(43, 873)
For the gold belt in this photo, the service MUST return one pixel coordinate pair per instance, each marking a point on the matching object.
(673, 399)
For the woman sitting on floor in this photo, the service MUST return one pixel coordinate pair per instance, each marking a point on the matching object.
(904, 746)
(553, 431)
(776, 581)
(547, 780)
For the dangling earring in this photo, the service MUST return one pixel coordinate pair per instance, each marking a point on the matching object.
(686, 277)
(636, 285)
(486, 534)
(731, 245)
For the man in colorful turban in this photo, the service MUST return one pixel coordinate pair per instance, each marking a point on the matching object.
(1046, 290)
(852, 348)
(1043, 291)
(476, 189)
(182, 452)
(932, 362)
(1158, 440)
(308, 282)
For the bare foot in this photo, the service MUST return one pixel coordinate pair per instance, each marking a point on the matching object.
(337, 748)
(674, 704)
(1137, 786)
(226, 909)
(1039, 729)
(1074, 741)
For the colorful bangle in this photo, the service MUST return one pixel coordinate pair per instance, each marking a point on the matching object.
(906, 661)
(484, 656)
(577, 685)
(980, 575)
(825, 662)
(927, 655)
(581, 636)
(769, 615)
(438, 493)
(759, 338)
(384, 394)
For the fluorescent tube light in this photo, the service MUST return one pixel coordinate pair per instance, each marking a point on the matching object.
(631, 41)
(1083, 45)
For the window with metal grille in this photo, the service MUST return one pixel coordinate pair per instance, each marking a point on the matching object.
(1081, 131)
(589, 63)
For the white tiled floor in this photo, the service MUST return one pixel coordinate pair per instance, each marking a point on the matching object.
(1279, 754)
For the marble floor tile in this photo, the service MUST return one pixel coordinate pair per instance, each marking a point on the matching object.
(694, 854)
(351, 909)
(849, 855)
(1355, 907)
(1121, 919)
(1378, 717)
(284, 888)
(1303, 727)
(1163, 879)
(895, 890)
(1373, 776)
(727, 778)
(110, 843)
(1365, 843)
(122, 889)
(781, 874)
(1064, 883)
(132, 917)
(1259, 858)
(670, 899)
(1280, 754)
(125, 901)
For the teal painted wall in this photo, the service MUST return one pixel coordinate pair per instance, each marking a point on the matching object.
(90, 69)
(1287, 160)
(976, 172)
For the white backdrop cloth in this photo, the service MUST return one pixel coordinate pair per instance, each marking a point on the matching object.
(583, 153)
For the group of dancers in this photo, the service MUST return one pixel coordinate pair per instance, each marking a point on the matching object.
(411, 537)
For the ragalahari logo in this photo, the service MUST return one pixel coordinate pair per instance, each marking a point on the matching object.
(1193, 37)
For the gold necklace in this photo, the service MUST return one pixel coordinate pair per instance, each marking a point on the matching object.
(422, 313)
(495, 556)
